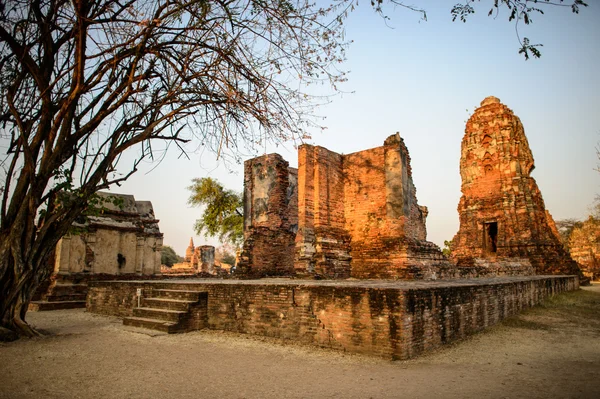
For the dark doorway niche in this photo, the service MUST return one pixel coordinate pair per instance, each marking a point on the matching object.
(121, 260)
(490, 236)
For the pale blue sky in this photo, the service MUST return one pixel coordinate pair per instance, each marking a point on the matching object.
(424, 79)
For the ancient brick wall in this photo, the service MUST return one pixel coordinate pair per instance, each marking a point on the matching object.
(584, 246)
(321, 241)
(502, 213)
(383, 218)
(268, 232)
(391, 320)
(356, 215)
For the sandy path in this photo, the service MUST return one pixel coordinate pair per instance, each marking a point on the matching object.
(551, 352)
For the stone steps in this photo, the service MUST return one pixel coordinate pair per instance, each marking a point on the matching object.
(159, 314)
(171, 311)
(177, 294)
(168, 303)
(60, 295)
(151, 324)
(36, 306)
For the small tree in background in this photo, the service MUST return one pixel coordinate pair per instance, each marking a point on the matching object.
(223, 211)
(226, 254)
(169, 257)
(447, 250)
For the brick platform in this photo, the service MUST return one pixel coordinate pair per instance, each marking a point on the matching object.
(391, 319)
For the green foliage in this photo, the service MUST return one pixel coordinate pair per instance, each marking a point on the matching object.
(226, 254)
(565, 227)
(168, 256)
(447, 250)
(222, 216)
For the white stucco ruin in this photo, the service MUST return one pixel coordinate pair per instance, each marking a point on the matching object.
(123, 238)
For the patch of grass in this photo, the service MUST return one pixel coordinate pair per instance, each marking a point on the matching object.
(579, 307)
(575, 304)
(518, 322)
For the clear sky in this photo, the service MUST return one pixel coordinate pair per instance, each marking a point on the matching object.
(423, 80)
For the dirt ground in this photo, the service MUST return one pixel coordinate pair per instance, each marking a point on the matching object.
(552, 351)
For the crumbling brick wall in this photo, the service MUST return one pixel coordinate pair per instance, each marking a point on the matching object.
(584, 246)
(384, 220)
(321, 241)
(268, 223)
(356, 215)
(388, 319)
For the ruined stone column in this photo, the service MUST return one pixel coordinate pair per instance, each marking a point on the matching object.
(383, 217)
(206, 263)
(268, 233)
(139, 254)
(63, 254)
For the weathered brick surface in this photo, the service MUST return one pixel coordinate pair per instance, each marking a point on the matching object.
(396, 320)
(322, 244)
(502, 213)
(354, 215)
(584, 246)
(268, 227)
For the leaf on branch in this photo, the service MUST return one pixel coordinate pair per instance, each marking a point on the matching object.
(530, 49)
(461, 11)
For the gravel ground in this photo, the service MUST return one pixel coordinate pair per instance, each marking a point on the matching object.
(551, 351)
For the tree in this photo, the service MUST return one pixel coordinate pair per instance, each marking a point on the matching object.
(223, 211)
(447, 250)
(168, 256)
(518, 11)
(565, 227)
(84, 81)
(226, 254)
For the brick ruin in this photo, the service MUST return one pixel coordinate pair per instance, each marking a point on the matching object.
(200, 258)
(337, 216)
(503, 220)
(390, 319)
(270, 216)
(122, 239)
(584, 246)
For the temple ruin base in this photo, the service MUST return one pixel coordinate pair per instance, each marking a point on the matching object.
(390, 319)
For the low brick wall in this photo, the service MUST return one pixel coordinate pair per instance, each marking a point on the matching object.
(396, 320)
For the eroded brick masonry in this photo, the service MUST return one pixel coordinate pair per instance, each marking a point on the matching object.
(503, 219)
(357, 215)
(337, 216)
(390, 319)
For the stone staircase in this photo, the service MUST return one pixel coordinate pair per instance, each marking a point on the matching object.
(171, 311)
(59, 294)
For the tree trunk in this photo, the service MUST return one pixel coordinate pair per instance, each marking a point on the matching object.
(20, 277)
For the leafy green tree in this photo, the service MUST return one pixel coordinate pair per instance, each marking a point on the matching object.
(168, 256)
(222, 216)
(226, 254)
(565, 227)
(447, 250)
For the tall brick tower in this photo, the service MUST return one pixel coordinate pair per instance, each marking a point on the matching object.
(502, 213)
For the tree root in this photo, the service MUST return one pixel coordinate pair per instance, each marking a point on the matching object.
(25, 330)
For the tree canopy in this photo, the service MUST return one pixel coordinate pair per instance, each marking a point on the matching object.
(83, 82)
(223, 211)
(168, 256)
